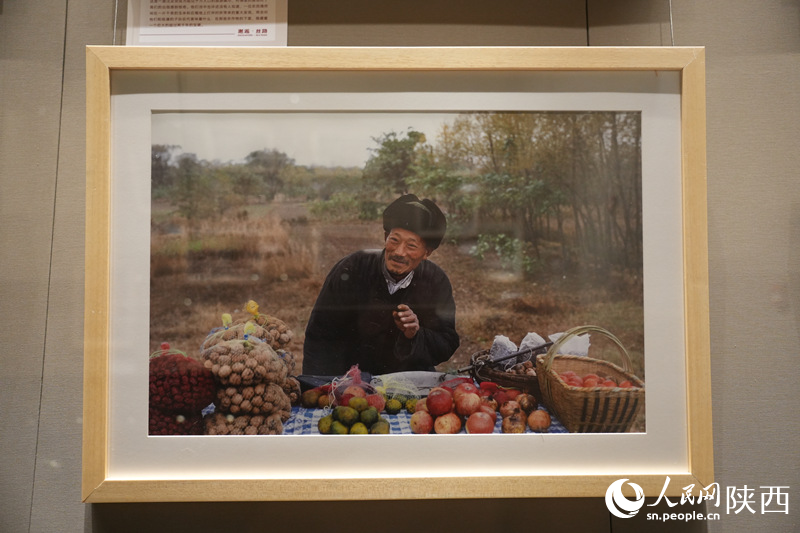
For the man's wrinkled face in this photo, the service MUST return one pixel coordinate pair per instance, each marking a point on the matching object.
(405, 250)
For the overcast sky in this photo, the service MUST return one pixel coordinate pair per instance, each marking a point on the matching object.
(323, 139)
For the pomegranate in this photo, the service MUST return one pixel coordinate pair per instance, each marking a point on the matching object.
(491, 402)
(510, 408)
(513, 424)
(527, 402)
(539, 421)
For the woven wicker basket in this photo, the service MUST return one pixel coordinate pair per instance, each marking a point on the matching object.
(589, 409)
(483, 372)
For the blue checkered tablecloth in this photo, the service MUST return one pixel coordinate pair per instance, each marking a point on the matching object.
(304, 422)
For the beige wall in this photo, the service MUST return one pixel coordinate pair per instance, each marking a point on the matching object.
(753, 61)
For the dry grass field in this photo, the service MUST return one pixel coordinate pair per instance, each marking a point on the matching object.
(278, 256)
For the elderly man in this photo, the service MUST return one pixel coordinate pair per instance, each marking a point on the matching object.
(387, 310)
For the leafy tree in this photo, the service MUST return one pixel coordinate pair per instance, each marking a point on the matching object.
(392, 162)
(269, 165)
(193, 187)
(203, 190)
(245, 182)
(570, 178)
(162, 175)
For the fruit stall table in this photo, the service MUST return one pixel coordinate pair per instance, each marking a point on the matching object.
(304, 422)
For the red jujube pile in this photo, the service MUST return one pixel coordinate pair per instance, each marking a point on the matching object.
(180, 388)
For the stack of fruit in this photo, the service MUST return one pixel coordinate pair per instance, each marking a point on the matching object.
(180, 388)
(475, 409)
(592, 380)
(447, 410)
(357, 418)
(522, 413)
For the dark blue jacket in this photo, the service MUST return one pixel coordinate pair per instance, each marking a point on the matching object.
(352, 323)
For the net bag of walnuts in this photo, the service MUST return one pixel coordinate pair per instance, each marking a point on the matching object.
(228, 424)
(253, 371)
(243, 362)
(265, 327)
(251, 377)
(260, 399)
(292, 389)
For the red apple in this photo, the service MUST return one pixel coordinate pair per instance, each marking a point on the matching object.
(501, 396)
(439, 401)
(377, 401)
(421, 405)
(461, 388)
(447, 423)
(467, 403)
(574, 381)
(345, 399)
(513, 393)
(421, 423)
(480, 422)
(489, 410)
(355, 390)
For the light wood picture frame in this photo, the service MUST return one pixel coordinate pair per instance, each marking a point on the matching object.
(694, 463)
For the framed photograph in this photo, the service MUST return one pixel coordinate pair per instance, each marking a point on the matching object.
(224, 184)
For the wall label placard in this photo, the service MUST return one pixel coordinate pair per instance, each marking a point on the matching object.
(207, 22)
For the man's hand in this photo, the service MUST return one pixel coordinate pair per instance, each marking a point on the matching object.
(406, 320)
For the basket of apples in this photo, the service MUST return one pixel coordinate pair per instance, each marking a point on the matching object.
(586, 394)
